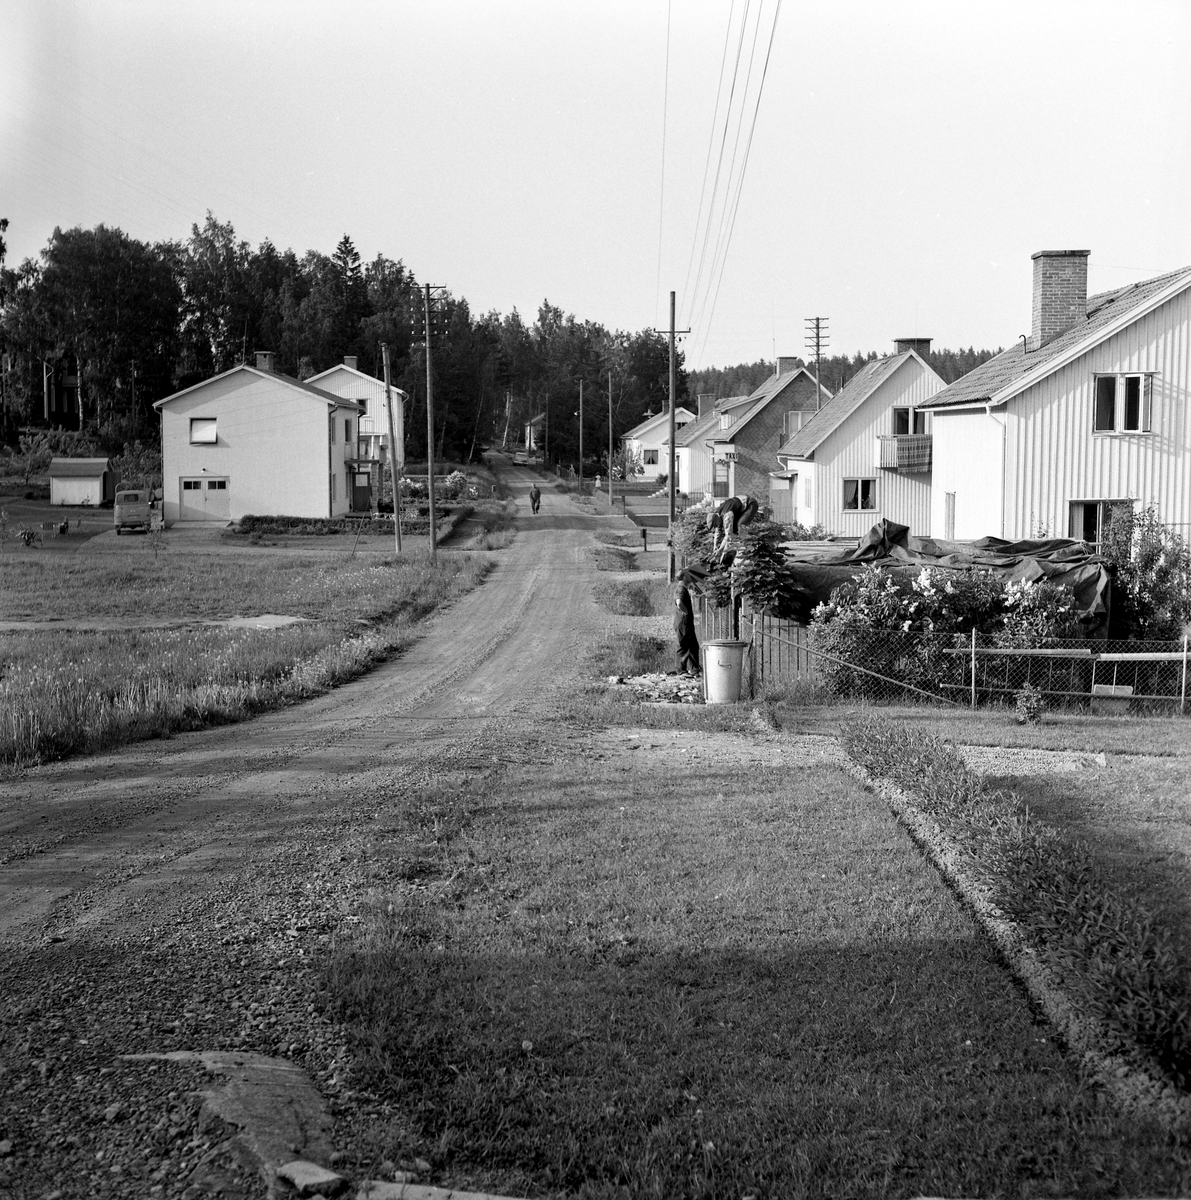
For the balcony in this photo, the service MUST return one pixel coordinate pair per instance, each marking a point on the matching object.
(906, 452)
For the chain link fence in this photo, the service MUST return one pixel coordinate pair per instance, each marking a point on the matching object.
(842, 661)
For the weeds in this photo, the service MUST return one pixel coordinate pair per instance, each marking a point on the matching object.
(611, 558)
(634, 598)
(633, 654)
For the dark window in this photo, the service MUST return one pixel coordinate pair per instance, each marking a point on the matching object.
(1137, 403)
(347, 431)
(860, 495)
(1106, 404)
(919, 421)
(1090, 518)
(901, 421)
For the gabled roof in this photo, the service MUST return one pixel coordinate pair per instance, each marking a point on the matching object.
(650, 422)
(286, 380)
(709, 422)
(538, 420)
(1015, 369)
(759, 399)
(376, 386)
(844, 403)
(78, 468)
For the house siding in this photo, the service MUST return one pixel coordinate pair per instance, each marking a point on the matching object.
(969, 462)
(852, 452)
(272, 448)
(652, 436)
(758, 442)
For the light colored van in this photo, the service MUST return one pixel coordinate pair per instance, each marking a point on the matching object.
(133, 510)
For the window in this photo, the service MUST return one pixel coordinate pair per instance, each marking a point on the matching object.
(949, 515)
(649, 458)
(907, 421)
(217, 485)
(332, 423)
(347, 431)
(791, 424)
(191, 485)
(1122, 403)
(202, 431)
(860, 495)
(1089, 519)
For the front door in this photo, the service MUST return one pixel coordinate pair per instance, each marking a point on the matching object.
(361, 492)
(204, 499)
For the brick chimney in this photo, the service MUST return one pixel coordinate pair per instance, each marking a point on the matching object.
(264, 360)
(920, 346)
(1060, 293)
(786, 365)
(349, 360)
(706, 403)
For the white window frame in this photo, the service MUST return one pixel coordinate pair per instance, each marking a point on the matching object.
(204, 431)
(646, 461)
(1145, 405)
(860, 506)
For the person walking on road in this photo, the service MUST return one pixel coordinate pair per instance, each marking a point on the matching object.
(535, 498)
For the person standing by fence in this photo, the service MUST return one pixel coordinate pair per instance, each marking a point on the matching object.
(684, 627)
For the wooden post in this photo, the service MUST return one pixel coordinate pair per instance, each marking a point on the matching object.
(1183, 694)
(673, 434)
(394, 451)
(610, 443)
(430, 436)
(973, 666)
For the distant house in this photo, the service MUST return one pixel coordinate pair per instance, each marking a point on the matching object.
(535, 428)
(81, 481)
(253, 441)
(867, 453)
(649, 441)
(1091, 412)
(731, 451)
(346, 380)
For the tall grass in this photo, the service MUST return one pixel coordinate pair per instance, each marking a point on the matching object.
(611, 558)
(64, 693)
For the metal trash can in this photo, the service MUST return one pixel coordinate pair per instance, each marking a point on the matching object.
(723, 666)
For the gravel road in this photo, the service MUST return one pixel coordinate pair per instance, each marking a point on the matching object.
(171, 896)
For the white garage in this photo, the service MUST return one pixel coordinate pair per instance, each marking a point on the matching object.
(82, 481)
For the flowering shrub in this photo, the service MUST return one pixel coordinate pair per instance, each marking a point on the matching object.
(1152, 589)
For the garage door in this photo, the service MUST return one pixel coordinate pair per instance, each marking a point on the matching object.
(204, 499)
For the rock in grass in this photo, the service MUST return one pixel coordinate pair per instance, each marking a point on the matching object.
(308, 1179)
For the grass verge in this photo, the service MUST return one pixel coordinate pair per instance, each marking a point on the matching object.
(64, 693)
(1115, 962)
(722, 980)
(633, 598)
(611, 558)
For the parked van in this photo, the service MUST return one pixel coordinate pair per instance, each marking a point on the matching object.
(133, 510)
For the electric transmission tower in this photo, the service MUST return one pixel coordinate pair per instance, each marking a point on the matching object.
(816, 343)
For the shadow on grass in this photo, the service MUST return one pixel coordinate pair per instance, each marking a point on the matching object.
(839, 1071)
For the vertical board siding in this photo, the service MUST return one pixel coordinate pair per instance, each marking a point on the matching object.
(1055, 458)
(851, 452)
(968, 462)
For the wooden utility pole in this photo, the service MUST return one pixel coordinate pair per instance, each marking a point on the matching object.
(394, 451)
(430, 435)
(816, 340)
(673, 434)
(580, 437)
(609, 441)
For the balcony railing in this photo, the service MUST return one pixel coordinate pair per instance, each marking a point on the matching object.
(908, 452)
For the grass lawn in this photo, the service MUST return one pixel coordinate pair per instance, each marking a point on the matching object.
(713, 976)
(64, 692)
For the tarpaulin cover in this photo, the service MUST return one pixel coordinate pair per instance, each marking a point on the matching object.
(819, 569)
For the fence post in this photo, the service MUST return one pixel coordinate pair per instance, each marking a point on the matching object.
(1183, 692)
(973, 666)
(753, 656)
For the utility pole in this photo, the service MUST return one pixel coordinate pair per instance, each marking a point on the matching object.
(673, 434)
(581, 437)
(609, 441)
(430, 435)
(816, 340)
(393, 450)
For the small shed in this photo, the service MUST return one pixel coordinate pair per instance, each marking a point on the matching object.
(82, 481)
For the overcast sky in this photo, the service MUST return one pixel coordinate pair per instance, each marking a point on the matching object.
(907, 157)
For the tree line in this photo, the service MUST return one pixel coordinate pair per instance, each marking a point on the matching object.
(133, 322)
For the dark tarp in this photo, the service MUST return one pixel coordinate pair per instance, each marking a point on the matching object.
(819, 569)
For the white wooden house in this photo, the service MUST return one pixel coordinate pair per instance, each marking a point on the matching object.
(1093, 410)
(535, 430)
(346, 380)
(867, 453)
(253, 441)
(649, 441)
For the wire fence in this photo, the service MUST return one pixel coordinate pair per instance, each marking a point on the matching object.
(851, 662)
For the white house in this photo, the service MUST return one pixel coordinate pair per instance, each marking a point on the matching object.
(253, 441)
(83, 481)
(867, 453)
(535, 429)
(344, 379)
(649, 441)
(1091, 411)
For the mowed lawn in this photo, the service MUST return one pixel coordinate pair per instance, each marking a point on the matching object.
(708, 976)
(65, 691)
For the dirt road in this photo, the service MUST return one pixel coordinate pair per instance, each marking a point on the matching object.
(169, 896)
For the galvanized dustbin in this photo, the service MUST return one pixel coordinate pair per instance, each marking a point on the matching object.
(723, 666)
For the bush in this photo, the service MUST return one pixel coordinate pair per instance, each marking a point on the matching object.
(1152, 592)
(1117, 965)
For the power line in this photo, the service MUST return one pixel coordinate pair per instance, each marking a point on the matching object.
(657, 291)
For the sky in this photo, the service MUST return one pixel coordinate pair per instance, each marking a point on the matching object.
(906, 157)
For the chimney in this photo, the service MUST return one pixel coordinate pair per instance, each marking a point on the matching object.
(786, 365)
(1060, 293)
(920, 346)
(349, 360)
(706, 403)
(264, 360)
